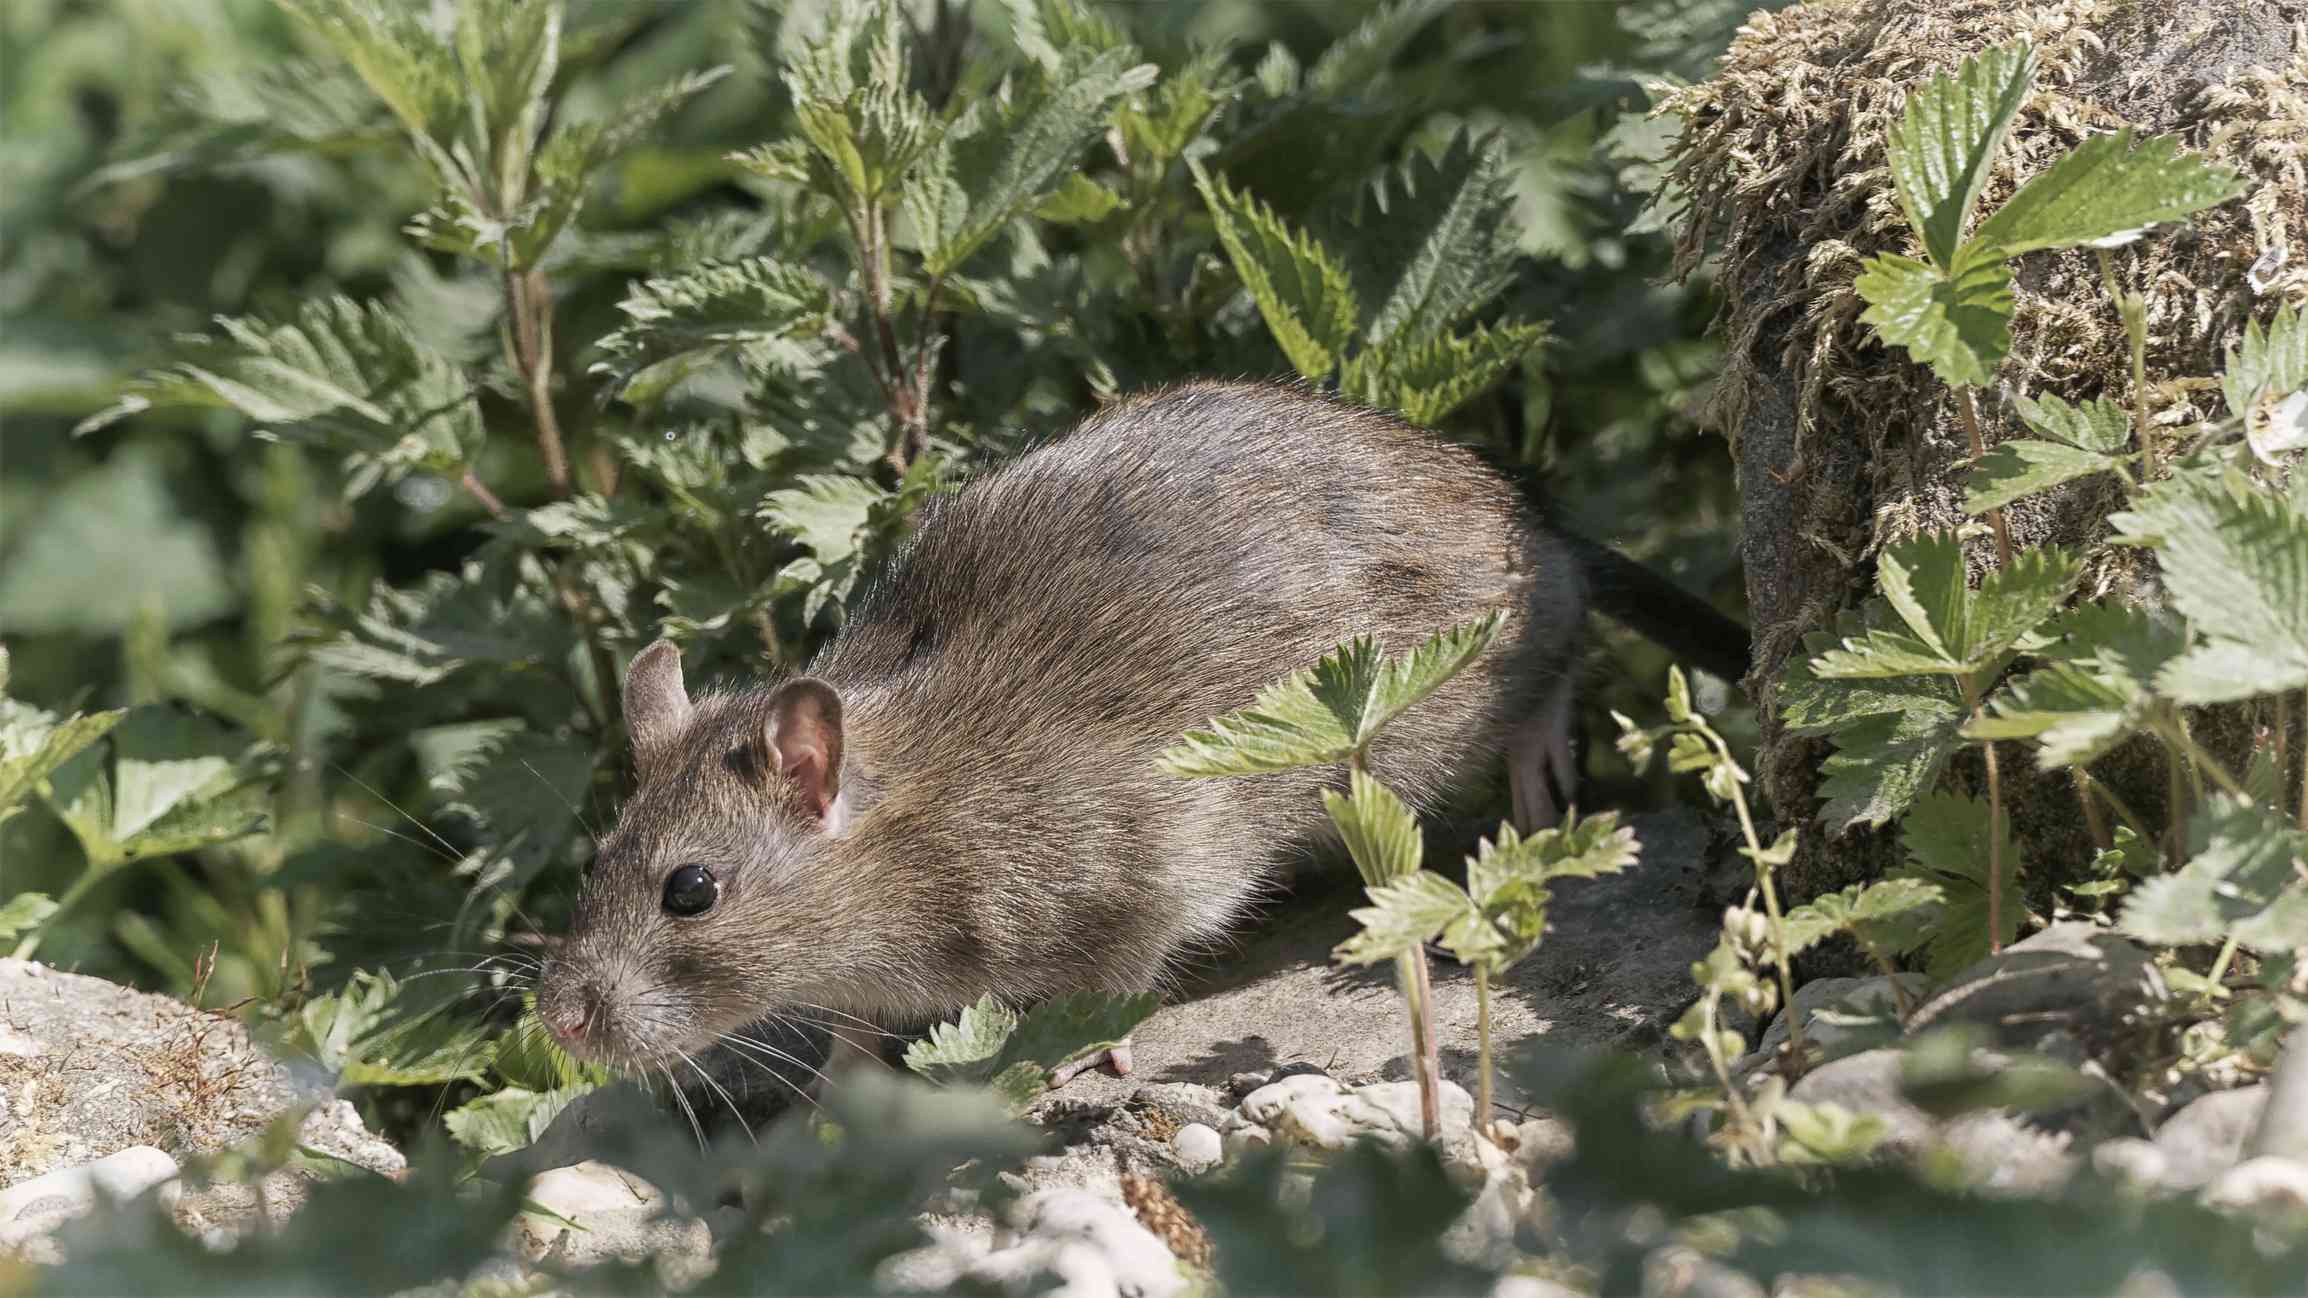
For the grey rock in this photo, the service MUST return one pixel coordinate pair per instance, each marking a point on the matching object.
(1093, 1246)
(1197, 1145)
(1869, 1001)
(2207, 1137)
(619, 1218)
(2135, 1162)
(2275, 1186)
(93, 1068)
(2283, 1129)
(1318, 1112)
(30, 1210)
(1184, 1102)
(1297, 1068)
(2068, 978)
(1998, 1152)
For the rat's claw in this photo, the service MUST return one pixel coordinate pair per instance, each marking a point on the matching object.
(1116, 1055)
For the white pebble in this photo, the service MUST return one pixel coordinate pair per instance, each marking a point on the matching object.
(1197, 1145)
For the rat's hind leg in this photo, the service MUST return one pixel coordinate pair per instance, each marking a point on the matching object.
(1541, 777)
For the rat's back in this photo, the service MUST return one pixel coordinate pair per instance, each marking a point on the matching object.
(1053, 626)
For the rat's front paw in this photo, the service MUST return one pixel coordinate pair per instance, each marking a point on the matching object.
(1117, 1055)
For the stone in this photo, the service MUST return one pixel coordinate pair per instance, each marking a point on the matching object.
(1869, 1001)
(31, 1210)
(1093, 1246)
(1197, 1146)
(91, 1068)
(1318, 1112)
(619, 1216)
(2134, 1162)
(2207, 1137)
(2071, 977)
(2277, 1186)
(2283, 1129)
(1999, 1152)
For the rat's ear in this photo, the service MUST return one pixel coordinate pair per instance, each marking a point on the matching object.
(803, 739)
(656, 703)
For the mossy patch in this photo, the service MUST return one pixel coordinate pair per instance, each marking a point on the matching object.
(1845, 446)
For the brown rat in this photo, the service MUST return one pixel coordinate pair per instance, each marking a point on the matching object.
(961, 797)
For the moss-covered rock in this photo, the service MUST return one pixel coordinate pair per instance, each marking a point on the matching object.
(1845, 446)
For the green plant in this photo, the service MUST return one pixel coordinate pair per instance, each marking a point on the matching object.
(1016, 1054)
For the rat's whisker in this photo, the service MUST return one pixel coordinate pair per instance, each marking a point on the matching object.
(446, 846)
(721, 1091)
(755, 1046)
(695, 1128)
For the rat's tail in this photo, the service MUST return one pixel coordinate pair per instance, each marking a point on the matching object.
(1637, 598)
(1660, 611)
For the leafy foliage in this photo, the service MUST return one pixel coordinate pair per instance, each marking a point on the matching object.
(1016, 1054)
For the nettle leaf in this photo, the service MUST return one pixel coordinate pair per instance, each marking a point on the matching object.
(2247, 879)
(2077, 441)
(1019, 155)
(483, 614)
(1508, 882)
(1883, 915)
(2105, 189)
(1892, 735)
(521, 790)
(1440, 243)
(853, 104)
(2235, 561)
(1947, 138)
(1331, 710)
(2095, 690)
(1964, 631)
(1161, 127)
(1434, 378)
(404, 64)
(23, 913)
(680, 323)
(990, 1044)
(503, 1121)
(1958, 323)
(1078, 200)
(1302, 291)
(1947, 837)
(1380, 832)
(1353, 62)
(2267, 363)
(565, 169)
(353, 378)
(368, 1036)
(162, 781)
(34, 743)
(1405, 913)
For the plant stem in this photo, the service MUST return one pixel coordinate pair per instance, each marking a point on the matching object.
(1483, 1049)
(479, 490)
(2116, 804)
(2094, 822)
(2304, 759)
(2133, 310)
(2200, 762)
(1770, 905)
(1970, 411)
(2220, 966)
(1971, 693)
(530, 301)
(88, 879)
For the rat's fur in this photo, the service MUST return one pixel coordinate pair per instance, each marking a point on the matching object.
(1004, 689)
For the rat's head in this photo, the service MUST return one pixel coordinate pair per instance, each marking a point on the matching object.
(722, 894)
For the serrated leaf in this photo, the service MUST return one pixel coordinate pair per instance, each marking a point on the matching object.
(2105, 188)
(2247, 878)
(163, 780)
(1946, 837)
(1441, 243)
(1507, 881)
(2098, 424)
(827, 513)
(1883, 914)
(677, 324)
(33, 744)
(1968, 630)
(483, 614)
(352, 378)
(2021, 468)
(1017, 158)
(503, 1121)
(1351, 63)
(1380, 831)
(23, 913)
(1078, 200)
(2094, 690)
(1947, 138)
(1406, 912)
(1328, 712)
(2267, 362)
(1301, 290)
(1892, 734)
(1958, 323)
(1431, 380)
(2235, 562)
(1014, 1053)
(368, 1036)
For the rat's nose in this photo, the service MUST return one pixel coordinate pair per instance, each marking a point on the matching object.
(571, 1015)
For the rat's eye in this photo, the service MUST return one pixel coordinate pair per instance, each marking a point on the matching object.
(691, 890)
